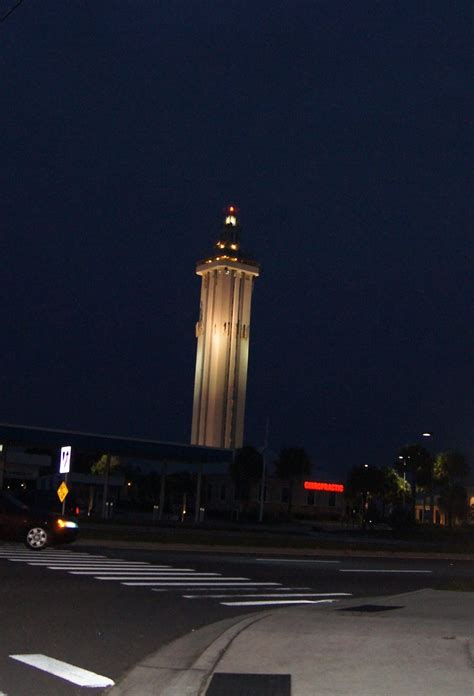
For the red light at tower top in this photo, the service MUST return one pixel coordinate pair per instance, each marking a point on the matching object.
(231, 209)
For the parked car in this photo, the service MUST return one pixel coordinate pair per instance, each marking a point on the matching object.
(37, 528)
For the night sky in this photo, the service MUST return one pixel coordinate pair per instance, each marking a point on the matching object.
(340, 129)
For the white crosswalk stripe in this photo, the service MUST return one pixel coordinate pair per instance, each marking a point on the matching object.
(167, 578)
(64, 670)
(149, 571)
(270, 602)
(294, 560)
(217, 583)
(274, 594)
(86, 563)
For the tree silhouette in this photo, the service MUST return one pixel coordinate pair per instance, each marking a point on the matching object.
(245, 468)
(416, 462)
(293, 464)
(450, 472)
(364, 484)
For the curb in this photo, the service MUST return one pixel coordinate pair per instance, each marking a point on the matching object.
(185, 666)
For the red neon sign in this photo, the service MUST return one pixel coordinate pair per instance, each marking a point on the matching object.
(320, 486)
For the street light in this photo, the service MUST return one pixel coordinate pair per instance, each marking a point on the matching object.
(402, 458)
(365, 501)
(428, 434)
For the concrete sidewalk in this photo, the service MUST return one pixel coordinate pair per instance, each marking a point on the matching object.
(415, 644)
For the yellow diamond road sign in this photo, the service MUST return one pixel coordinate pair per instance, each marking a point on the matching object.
(62, 491)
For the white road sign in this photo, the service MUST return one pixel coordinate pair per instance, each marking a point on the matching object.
(65, 460)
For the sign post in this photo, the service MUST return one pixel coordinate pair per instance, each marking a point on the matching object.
(64, 468)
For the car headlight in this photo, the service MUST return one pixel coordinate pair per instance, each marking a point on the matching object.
(66, 524)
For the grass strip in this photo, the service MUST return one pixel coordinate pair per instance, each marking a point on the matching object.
(461, 545)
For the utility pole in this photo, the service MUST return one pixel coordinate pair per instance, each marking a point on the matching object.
(105, 489)
(162, 490)
(197, 504)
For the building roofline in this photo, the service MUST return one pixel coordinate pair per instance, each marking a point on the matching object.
(125, 445)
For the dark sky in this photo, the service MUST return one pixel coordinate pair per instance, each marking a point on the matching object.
(340, 128)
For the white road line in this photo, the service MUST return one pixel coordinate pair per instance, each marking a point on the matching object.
(37, 558)
(48, 554)
(177, 578)
(21, 548)
(93, 564)
(187, 583)
(238, 591)
(274, 594)
(71, 673)
(154, 576)
(292, 560)
(42, 557)
(283, 601)
(100, 569)
(371, 570)
(27, 552)
(59, 561)
(95, 561)
(127, 571)
(115, 569)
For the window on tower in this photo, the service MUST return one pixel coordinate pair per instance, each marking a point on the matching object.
(231, 220)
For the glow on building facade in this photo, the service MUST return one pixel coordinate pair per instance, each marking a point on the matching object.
(223, 332)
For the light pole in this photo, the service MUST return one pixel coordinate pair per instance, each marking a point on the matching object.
(432, 521)
(402, 458)
(365, 500)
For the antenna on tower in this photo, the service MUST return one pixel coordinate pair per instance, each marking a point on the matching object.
(231, 212)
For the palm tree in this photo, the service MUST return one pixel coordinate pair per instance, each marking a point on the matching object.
(394, 489)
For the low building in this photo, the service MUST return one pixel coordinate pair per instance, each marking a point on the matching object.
(324, 501)
(439, 516)
(20, 469)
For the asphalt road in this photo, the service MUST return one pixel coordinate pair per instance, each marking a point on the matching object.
(85, 607)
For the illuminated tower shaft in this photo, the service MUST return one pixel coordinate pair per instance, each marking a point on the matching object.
(222, 334)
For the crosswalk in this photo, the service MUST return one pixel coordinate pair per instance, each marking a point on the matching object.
(230, 591)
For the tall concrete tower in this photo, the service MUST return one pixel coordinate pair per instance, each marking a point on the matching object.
(223, 332)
